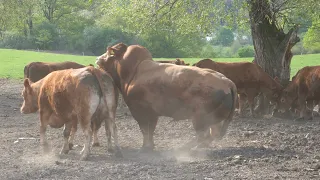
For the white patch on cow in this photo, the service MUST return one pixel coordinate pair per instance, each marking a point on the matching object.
(94, 102)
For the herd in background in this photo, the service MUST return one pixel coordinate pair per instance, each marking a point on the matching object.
(207, 92)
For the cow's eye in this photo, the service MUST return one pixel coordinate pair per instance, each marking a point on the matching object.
(275, 95)
(282, 99)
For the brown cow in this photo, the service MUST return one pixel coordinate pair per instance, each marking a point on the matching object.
(35, 71)
(38, 70)
(153, 89)
(249, 78)
(67, 97)
(177, 62)
(304, 87)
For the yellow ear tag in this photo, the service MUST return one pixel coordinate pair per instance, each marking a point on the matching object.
(111, 53)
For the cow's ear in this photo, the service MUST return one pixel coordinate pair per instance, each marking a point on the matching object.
(118, 50)
(26, 82)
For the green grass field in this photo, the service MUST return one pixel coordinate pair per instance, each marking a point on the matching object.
(12, 62)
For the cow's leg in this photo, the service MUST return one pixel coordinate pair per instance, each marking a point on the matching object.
(66, 133)
(44, 118)
(73, 131)
(202, 131)
(251, 105)
(302, 107)
(147, 122)
(108, 134)
(242, 100)
(309, 110)
(86, 127)
(96, 124)
(251, 94)
(316, 104)
(111, 125)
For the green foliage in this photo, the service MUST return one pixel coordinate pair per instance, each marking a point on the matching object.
(208, 51)
(46, 36)
(235, 47)
(311, 39)
(246, 51)
(97, 39)
(223, 37)
(17, 41)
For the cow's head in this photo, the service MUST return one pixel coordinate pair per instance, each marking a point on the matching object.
(285, 101)
(112, 56)
(275, 92)
(30, 98)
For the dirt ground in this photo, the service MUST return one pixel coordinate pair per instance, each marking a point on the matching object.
(252, 149)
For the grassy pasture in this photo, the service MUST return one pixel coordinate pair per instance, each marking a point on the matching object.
(12, 62)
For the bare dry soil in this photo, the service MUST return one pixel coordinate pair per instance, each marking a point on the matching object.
(252, 149)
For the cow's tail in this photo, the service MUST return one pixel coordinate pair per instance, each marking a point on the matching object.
(99, 75)
(226, 122)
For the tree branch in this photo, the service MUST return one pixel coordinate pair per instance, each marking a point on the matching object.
(165, 5)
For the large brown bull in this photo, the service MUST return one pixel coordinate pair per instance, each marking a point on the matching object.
(67, 97)
(152, 89)
(249, 78)
(303, 89)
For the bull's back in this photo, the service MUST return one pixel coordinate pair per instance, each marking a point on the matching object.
(177, 91)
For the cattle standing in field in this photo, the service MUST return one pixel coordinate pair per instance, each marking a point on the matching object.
(35, 71)
(249, 78)
(177, 62)
(304, 87)
(152, 89)
(70, 96)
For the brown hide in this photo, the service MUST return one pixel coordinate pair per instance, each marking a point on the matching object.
(70, 96)
(38, 70)
(249, 78)
(304, 87)
(152, 89)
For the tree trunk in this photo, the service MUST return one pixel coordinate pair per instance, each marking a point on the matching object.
(272, 46)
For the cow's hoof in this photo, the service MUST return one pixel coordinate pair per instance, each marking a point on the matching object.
(84, 157)
(70, 146)
(46, 148)
(299, 119)
(145, 150)
(64, 151)
(96, 144)
(110, 150)
(203, 145)
(118, 154)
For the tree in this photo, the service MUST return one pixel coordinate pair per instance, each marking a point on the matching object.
(312, 37)
(224, 37)
(271, 22)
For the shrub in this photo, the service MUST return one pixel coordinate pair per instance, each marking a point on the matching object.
(97, 39)
(12, 40)
(46, 36)
(247, 51)
(208, 51)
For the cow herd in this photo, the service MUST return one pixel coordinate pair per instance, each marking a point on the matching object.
(207, 93)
